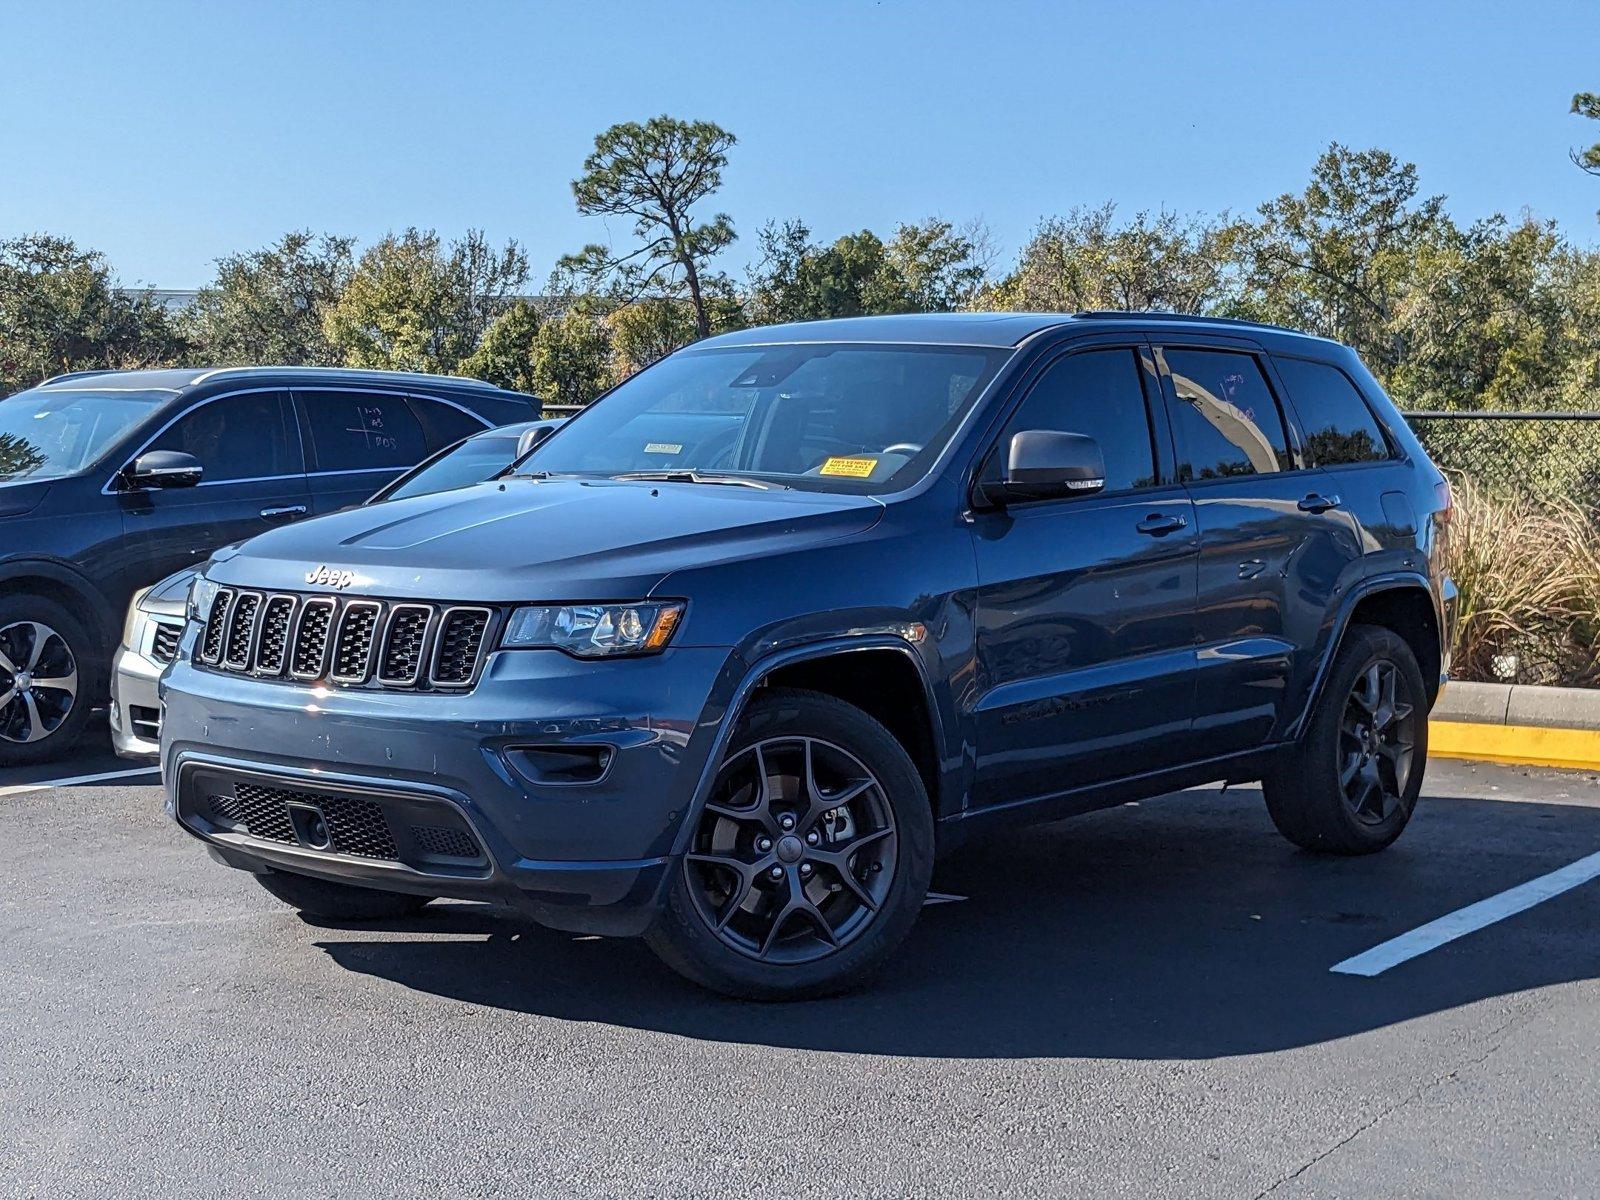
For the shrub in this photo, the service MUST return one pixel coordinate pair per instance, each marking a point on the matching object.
(1529, 578)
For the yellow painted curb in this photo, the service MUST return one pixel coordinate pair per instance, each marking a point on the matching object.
(1524, 745)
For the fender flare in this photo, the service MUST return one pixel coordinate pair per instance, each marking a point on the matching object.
(1392, 581)
(753, 678)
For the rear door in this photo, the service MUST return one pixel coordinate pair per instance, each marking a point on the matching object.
(1274, 545)
(356, 441)
(254, 479)
(1085, 622)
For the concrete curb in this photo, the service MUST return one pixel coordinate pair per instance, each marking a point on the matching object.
(1514, 723)
(1520, 704)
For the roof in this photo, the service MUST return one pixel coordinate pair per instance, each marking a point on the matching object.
(998, 329)
(175, 379)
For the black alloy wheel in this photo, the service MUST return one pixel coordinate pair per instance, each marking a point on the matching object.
(795, 850)
(1377, 743)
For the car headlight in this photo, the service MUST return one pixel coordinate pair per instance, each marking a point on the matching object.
(135, 615)
(201, 593)
(594, 630)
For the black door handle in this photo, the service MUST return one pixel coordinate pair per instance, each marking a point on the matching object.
(287, 511)
(1318, 504)
(1161, 524)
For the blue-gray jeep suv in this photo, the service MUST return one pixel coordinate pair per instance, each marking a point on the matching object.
(736, 652)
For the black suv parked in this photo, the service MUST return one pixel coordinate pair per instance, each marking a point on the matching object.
(110, 480)
(746, 642)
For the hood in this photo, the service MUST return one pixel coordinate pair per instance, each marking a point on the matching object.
(553, 539)
(19, 497)
(170, 597)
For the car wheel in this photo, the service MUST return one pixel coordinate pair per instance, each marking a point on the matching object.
(319, 898)
(1351, 785)
(810, 860)
(46, 679)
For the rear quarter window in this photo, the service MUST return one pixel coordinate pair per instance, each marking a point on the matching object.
(1339, 427)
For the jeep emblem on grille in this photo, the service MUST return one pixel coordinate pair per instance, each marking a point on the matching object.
(326, 576)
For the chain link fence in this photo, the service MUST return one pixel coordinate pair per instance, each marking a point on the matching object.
(1547, 455)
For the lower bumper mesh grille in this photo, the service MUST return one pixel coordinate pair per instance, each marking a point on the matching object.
(415, 831)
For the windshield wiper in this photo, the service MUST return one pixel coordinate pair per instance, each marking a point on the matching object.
(700, 477)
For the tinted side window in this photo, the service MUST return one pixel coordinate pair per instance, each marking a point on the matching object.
(237, 437)
(443, 424)
(1098, 393)
(1339, 427)
(362, 431)
(1228, 421)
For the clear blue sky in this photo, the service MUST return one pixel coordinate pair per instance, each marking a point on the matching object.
(167, 134)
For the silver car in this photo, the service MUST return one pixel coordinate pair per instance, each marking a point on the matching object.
(156, 615)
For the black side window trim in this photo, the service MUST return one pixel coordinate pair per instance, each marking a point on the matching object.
(1390, 443)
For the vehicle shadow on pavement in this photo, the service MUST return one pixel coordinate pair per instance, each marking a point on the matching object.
(1179, 928)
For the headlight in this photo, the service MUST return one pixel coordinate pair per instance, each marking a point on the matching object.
(594, 630)
(201, 593)
(130, 626)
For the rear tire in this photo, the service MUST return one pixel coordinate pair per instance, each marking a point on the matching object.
(339, 901)
(1351, 784)
(49, 679)
(817, 791)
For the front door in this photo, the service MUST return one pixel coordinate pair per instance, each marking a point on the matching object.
(250, 452)
(1273, 543)
(1085, 623)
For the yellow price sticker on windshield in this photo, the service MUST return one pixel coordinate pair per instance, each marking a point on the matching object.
(855, 468)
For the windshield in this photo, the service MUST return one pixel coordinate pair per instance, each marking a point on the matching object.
(827, 417)
(468, 462)
(47, 433)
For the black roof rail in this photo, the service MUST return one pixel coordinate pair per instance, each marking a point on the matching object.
(1109, 314)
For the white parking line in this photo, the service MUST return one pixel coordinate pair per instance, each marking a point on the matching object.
(941, 898)
(17, 789)
(1470, 919)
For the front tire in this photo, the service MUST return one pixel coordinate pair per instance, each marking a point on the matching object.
(321, 899)
(810, 861)
(47, 679)
(1351, 784)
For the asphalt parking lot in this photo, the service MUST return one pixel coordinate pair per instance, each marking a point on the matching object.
(1138, 1003)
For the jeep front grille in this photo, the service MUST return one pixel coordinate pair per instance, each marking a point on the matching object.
(346, 641)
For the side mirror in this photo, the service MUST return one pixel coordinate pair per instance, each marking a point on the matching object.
(165, 469)
(1044, 464)
(532, 438)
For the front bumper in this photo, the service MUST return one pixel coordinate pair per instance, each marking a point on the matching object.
(135, 705)
(587, 855)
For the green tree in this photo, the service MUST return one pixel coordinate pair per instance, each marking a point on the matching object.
(269, 305)
(505, 355)
(928, 266)
(1088, 260)
(61, 309)
(413, 304)
(1336, 258)
(647, 330)
(1482, 318)
(572, 357)
(657, 173)
(1587, 104)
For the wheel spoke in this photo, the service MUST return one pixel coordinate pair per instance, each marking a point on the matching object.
(1348, 773)
(6, 665)
(61, 683)
(1367, 693)
(41, 635)
(818, 803)
(36, 729)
